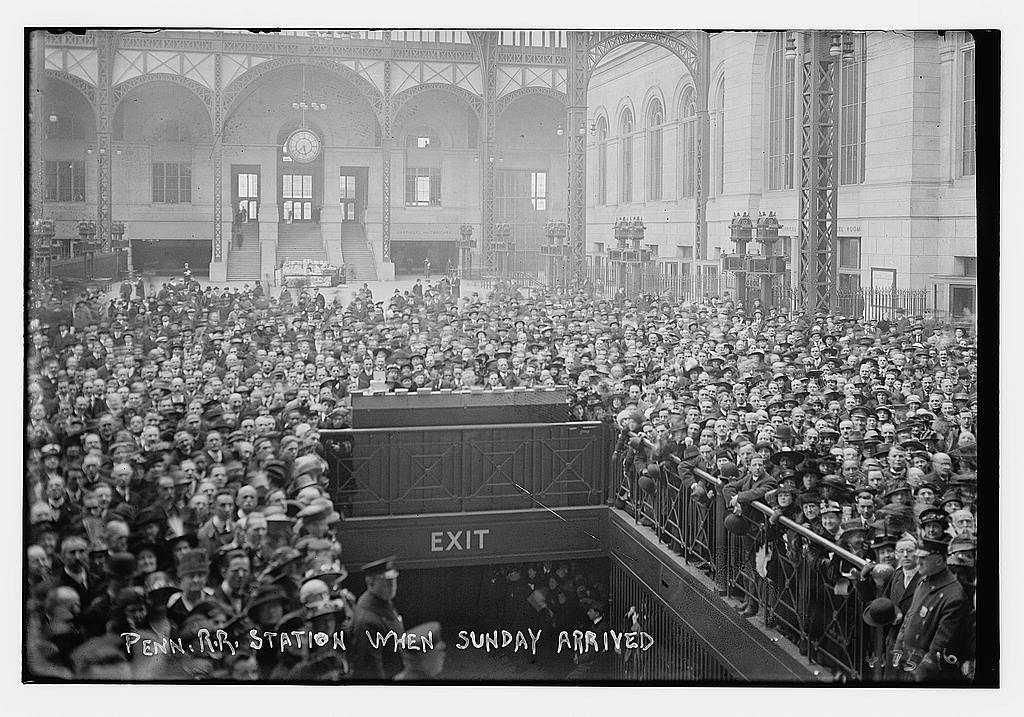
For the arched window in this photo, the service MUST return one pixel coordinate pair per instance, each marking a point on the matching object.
(655, 149)
(423, 138)
(968, 148)
(718, 139)
(781, 109)
(602, 161)
(851, 114)
(688, 144)
(626, 173)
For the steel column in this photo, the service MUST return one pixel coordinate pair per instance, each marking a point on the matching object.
(703, 146)
(576, 84)
(818, 180)
(106, 45)
(387, 141)
(488, 42)
(37, 160)
(218, 159)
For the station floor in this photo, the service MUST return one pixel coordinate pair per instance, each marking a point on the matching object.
(381, 289)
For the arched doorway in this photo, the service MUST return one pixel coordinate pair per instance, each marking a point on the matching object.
(162, 141)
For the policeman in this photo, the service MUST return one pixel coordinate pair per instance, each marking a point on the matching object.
(930, 643)
(375, 616)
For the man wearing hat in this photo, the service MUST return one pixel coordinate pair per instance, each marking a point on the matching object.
(931, 641)
(375, 616)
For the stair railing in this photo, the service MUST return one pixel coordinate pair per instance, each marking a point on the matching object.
(373, 256)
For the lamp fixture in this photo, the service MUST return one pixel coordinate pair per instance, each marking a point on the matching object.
(53, 118)
(790, 46)
(848, 54)
(593, 127)
(559, 131)
(303, 102)
(582, 130)
(836, 48)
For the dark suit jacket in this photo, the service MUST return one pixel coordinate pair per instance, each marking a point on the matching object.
(748, 490)
(901, 596)
(86, 592)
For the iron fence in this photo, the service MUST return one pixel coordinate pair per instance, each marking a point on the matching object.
(866, 303)
(678, 654)
(795, 579)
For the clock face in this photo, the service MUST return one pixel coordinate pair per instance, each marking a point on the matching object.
(303, 146)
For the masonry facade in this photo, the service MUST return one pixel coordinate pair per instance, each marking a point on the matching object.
(906, 200)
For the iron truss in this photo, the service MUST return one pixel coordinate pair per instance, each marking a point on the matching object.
(818, 176)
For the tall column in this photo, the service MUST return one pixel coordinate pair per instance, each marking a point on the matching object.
(817, 174)
(106, 45)
(218, 264)
(387, 143)
(703, 147)
(488, 119)
(576, 82)
(37, 161)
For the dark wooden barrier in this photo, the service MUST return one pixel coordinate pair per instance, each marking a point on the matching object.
(450, 469)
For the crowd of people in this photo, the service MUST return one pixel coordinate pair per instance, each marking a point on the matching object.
(176, 480)
(863, 434)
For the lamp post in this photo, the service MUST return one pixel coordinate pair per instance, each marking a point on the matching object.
(87, 234)
(42, 232)
(629, 254)
(740, 232)
(503, 247)
(464, 244)
(119, 243)
(767, 235)
(556, 250)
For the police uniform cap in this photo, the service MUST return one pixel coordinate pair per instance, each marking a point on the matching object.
(933, 515)
(384, 567)
(934, 546)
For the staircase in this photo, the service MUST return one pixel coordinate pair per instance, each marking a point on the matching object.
(359, 263)
(299, 240)
(244, 262)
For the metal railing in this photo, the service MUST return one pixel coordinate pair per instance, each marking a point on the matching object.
(793, 576)
(867, 303)
(453, 469)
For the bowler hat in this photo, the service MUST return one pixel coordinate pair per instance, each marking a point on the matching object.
(737, 524)
(121, 565)
(880, 612)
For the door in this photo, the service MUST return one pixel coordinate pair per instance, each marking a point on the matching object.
(961, 301)
(353, 193)
(246, 185)
(349, 205)
(297, 197)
